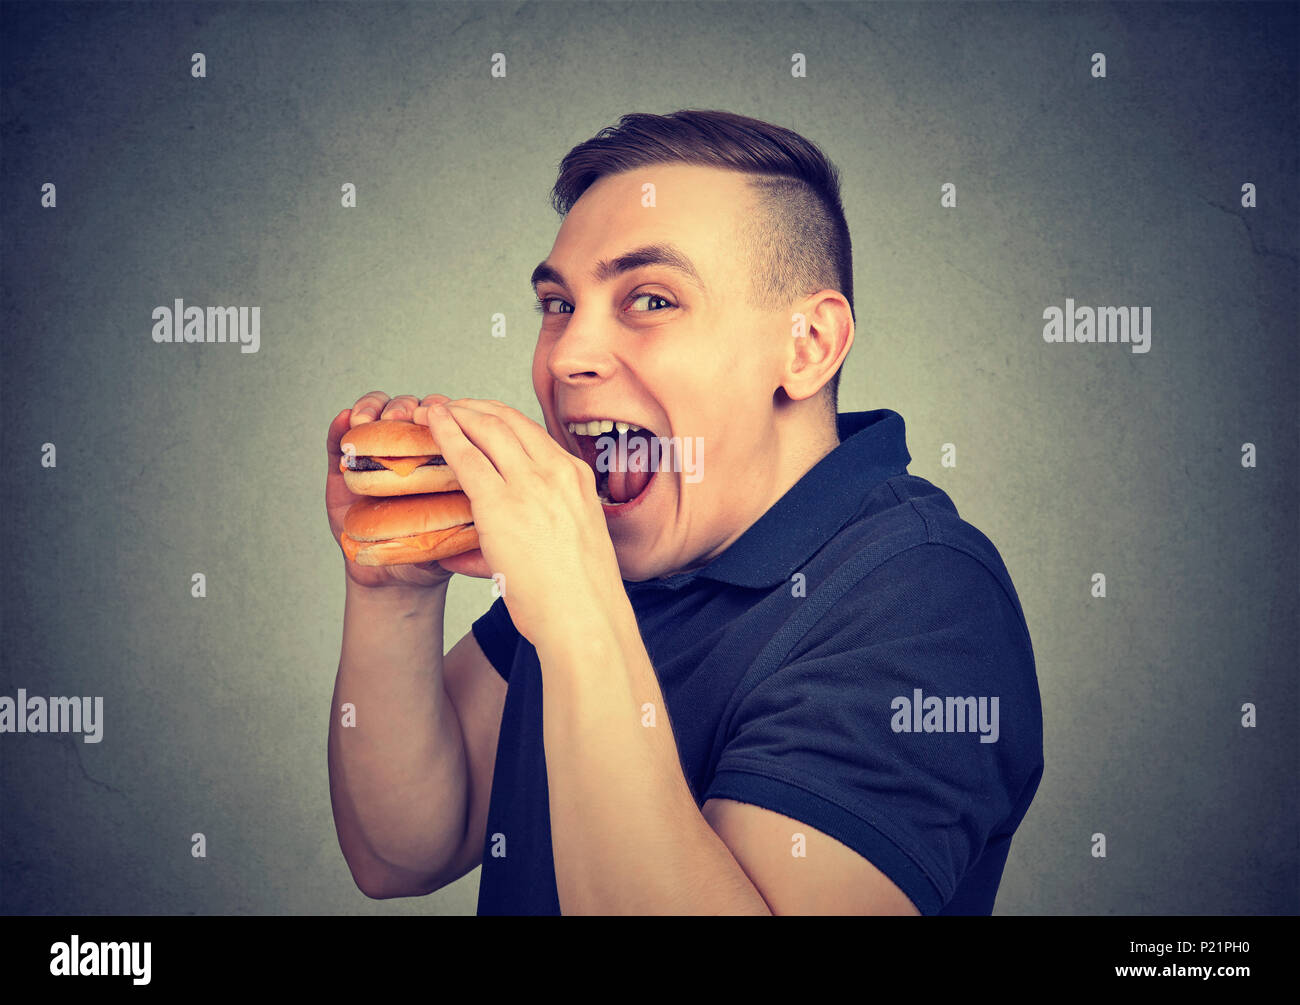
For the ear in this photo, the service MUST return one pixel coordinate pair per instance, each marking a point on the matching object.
(821, 334)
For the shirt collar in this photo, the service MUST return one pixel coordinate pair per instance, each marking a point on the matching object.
(873, 447)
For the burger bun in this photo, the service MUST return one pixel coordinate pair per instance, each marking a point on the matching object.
(408, 529)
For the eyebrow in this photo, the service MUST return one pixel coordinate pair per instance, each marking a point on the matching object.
(652, 254)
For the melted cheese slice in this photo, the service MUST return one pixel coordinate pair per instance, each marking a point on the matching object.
(403, 465)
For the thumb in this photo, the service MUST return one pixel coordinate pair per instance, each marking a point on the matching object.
(469, 563)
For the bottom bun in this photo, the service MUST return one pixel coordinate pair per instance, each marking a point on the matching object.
(427, 547)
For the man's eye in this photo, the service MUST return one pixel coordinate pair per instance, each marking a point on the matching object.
(653, 296)
(543, 305)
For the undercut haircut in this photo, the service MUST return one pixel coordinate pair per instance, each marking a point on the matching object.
(797, 241)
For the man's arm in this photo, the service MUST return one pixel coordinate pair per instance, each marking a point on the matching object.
(627, 835)
(828, 878)
(410, 782)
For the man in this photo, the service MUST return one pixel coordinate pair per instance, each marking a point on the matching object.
(779, 676)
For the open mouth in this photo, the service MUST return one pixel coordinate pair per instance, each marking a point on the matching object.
(623, 456)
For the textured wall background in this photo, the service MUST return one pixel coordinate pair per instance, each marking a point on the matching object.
(1073, 459)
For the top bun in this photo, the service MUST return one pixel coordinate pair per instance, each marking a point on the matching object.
(390, 438)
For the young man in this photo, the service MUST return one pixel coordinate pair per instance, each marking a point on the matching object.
(781, 676)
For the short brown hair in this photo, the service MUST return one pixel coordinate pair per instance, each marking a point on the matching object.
(798, 242)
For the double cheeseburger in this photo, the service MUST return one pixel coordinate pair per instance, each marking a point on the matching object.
(413, 510)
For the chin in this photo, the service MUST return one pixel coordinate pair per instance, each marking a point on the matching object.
(636, 567)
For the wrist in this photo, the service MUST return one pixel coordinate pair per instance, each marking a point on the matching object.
(396, 596)
(601, 628)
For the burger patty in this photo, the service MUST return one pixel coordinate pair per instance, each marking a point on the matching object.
(355, 463)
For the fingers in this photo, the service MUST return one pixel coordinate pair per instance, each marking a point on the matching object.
(338, 427)
(420, 413)
(535, 441)
(493, 435)
(469, 563)
(368, 407)
(337, 494)
(405, 407)
(474, 471)
(400, 408)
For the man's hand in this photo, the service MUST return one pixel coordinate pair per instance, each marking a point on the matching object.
(540, 523)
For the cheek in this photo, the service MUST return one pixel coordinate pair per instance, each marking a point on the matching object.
(740, 362)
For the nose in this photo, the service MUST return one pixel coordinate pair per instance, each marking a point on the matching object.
(580, 355)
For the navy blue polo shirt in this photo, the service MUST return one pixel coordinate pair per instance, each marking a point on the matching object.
(857, 660)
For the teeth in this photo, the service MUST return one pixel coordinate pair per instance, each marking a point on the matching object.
(597, 426)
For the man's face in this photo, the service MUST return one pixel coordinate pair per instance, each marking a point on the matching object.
(683, 358)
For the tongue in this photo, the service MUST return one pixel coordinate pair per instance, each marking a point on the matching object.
(625, 485)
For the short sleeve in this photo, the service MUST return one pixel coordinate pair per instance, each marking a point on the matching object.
(497, 637)
(846, 736)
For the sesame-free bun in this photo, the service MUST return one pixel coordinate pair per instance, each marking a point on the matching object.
(402, 530)
(391, 438)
